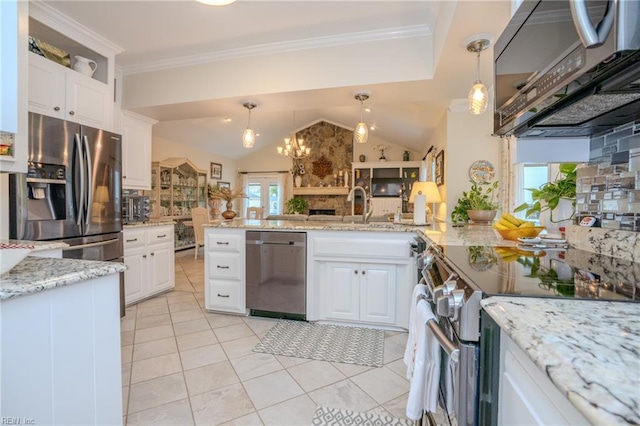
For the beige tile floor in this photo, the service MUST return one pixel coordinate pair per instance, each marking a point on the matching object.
(182, 365)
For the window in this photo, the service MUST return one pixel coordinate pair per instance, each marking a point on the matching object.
(264, 190)
(532, 176)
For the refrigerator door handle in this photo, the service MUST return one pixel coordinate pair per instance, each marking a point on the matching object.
(89, 181)
(81, 210)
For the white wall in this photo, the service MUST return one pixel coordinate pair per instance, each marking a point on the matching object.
(552, 150)
(439, 141)
(163, 149)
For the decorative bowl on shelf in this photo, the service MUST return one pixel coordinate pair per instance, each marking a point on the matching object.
(12, 254)
(521, 232)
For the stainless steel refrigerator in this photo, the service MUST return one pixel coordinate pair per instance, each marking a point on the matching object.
(72, 191)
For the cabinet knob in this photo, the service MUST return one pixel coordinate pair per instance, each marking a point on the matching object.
(363, 272)
(144, 256)
(355, 272)
(56, 108)
(153, 254)
(124, 177)
(71, 113)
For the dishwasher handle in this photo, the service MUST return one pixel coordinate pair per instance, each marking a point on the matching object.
(275, 243)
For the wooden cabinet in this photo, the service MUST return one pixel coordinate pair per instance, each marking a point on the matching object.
(136, 150)
(363, 277)
(362, 174)
(61, 92)
(13, 86)
(224, 270)
(527, 395)
(360, 292)
(177, 186)
(149, 256)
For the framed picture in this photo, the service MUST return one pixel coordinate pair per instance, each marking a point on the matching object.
(216, 171)
(440, 168)
(222, 184)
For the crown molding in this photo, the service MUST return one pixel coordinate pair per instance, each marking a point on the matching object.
(60, 22)
(280, 47)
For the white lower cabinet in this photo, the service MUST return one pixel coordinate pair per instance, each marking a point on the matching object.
(384, 205)
(362, 277)
(149, 256)
(360, 291)
(224, 270)
(527, 395)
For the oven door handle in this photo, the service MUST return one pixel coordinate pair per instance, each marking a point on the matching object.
(443, 341)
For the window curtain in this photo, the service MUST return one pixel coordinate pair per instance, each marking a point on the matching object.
(285, 185)
(510, 180)
(243, 182)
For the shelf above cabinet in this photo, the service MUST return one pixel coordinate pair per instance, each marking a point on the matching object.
(321, 191)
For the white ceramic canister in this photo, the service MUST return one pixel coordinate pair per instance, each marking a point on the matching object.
(85, 66)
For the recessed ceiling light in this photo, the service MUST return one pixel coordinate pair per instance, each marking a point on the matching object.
(373, 127)
(216, 2)
(227, 120)
(368, 109)
(257, 134)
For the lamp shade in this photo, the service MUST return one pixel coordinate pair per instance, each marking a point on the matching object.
(102, 194)
(428, 189)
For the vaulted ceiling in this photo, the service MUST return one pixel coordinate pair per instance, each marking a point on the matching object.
(191, 66)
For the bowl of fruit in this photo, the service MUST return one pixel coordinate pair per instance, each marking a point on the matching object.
(511, 228)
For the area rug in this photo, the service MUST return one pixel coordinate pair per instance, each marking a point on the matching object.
(335, 343)
(326, 416)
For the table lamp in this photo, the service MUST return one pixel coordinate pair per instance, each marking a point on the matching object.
(421, 194)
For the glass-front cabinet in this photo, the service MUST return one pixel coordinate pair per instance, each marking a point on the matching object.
(177, 186)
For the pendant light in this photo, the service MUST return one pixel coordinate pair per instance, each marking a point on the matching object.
(361, 132)
(249, 136)
(478, 95)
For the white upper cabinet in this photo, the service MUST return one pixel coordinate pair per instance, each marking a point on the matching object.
(136, 151)
(60, 91)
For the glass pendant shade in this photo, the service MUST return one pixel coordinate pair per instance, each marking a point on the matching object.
(248, 138)
(478, 98)
(361, 133)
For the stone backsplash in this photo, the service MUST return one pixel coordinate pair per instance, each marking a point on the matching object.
(613, 147)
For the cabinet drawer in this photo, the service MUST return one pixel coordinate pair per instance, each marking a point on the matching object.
(224, 265)
(224, 296)
(361, 248)
(133, 238)
(224, 242)
(161, 234)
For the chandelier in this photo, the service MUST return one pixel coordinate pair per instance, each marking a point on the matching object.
(294, 147)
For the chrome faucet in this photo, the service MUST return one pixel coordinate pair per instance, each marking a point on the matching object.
(367, 211)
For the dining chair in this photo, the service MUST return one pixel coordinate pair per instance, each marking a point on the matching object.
(255, 212)
(199, 217)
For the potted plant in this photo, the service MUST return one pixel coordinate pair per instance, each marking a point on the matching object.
(296, 205)
(478, 204)
(558, 196)
(228, 195)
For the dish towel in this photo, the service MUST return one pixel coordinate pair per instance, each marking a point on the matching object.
(410, 348)
(423, 393)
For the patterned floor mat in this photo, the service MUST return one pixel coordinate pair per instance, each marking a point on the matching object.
(326, 416)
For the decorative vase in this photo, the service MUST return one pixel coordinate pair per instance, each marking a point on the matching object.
(561, 216)
(298, 181)
(215, 203)
(229, 214)
(482, 217)
(363, 158)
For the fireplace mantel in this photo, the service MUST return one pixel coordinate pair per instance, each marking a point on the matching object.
(321, 190)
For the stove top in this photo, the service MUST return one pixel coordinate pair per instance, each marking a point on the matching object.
(553, 272)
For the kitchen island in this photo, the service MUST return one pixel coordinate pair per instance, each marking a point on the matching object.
(355, 273)
(60, 333)
(588, 350)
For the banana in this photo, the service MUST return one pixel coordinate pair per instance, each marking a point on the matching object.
(504, 222)
(511, 218)
(526, 225)
(498, 225)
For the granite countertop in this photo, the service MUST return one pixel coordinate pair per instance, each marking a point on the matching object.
(591, 355)
(39, 245)
(309, 225)
(148, 224)
(467, 235)
(35, 274)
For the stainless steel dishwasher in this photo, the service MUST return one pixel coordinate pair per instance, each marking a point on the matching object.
(277, 274)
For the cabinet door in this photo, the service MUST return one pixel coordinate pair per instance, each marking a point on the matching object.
(136, 153)
(136, 276)
(378, 293)
(342, 291)
(161, 266)
(88, 101)
(46, 87)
